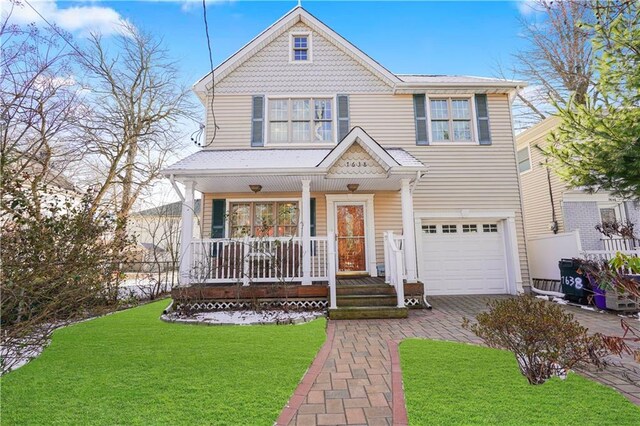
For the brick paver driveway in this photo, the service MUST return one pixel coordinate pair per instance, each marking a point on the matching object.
(354, 384)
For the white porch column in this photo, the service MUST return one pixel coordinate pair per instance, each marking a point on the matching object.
(306, 232)
(187, 234)
(408, 230)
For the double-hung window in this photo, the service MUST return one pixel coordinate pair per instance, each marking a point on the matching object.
(263, 219)
(524, 160)
(300, 47)
(301, 120)
(451, 120)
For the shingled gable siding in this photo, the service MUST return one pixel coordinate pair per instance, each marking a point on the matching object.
(331, 71)
(535, 187)
(387, 214)
(459, 177)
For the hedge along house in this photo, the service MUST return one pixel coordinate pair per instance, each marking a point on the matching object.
(328, 171)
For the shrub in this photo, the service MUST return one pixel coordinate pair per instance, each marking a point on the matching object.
(545, 340)
(59, 264)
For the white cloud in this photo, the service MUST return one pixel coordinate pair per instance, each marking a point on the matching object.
(526, 7)
(76, 19)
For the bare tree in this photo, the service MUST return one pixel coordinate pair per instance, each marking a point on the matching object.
(134, 126)
(558, 62)
(40, 105)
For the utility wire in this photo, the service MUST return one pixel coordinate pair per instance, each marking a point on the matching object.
(213, 88)
(60, 34)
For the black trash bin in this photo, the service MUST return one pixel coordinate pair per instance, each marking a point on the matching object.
(575, 285)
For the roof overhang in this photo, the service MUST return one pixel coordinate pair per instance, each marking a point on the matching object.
(276, 173)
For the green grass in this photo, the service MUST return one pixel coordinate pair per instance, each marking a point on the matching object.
(132, 368)
(455, 383)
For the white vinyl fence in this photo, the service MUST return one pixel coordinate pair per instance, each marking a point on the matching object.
(545, 253)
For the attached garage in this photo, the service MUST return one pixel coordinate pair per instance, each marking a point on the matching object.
(463, 257)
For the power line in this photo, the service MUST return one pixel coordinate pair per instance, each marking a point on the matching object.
(213, 88)
(57, 31)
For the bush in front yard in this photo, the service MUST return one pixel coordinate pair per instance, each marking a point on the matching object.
(545, 340)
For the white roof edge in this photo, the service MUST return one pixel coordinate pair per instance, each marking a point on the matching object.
(300, 13)
(308, 171)
(511, 84)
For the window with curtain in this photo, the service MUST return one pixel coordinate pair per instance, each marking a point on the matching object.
(301, 120)
(263, 219)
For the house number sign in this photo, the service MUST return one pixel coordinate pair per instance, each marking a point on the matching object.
(356, 164)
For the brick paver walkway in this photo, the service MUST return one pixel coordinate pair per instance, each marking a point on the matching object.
(351, 381)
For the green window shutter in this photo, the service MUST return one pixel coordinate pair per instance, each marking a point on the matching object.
(482, 113)
(420, 114)
(312, 212)
(312, 225)
(257, 121)
(343, 116)
(218, 218)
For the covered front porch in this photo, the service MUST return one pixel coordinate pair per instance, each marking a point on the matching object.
(300, 216)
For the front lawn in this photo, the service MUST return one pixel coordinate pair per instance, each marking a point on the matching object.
(132, 368)
(456, 383)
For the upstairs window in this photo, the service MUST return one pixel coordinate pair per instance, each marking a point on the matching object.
(301, 120)
(450, 120)
(524, 160)
(301, 47)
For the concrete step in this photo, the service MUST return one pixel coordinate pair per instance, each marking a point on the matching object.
(368, 312)
(367, 300)
(365, 289)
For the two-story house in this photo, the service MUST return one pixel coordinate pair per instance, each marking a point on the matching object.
(560, 221)
(321, 163)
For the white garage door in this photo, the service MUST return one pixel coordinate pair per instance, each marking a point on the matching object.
(463, 258)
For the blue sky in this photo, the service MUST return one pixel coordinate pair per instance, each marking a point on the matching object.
(406, 37)
(426, 37)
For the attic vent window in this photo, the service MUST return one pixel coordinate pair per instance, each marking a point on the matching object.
(301, 47)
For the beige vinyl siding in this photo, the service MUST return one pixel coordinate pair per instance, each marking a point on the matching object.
(460, 177)
(387, 217)
(535, 186)
(387, 118)
(233, 117)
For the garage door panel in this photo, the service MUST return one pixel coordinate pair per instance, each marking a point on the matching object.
(464, 262)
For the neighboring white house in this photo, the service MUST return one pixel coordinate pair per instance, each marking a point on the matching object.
(317, 142)
(159, 227)
(552, 210)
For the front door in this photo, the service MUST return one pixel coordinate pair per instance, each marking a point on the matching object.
(350, 226)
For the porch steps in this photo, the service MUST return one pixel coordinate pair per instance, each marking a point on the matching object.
(366, 301)
(368, 312)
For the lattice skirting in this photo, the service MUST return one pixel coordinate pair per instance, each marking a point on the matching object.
(227, 305)
(413, 302)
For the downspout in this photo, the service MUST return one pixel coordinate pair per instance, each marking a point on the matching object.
(175, 188)
(419, 176)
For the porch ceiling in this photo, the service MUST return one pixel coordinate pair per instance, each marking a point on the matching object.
(293, 183)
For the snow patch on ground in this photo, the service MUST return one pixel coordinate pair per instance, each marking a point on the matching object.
(245, 317)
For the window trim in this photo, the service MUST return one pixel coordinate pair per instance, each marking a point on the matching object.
(334, 121)
(618, 210)
(528, 148)
(309, 36)
(229, 201)
(475, 140)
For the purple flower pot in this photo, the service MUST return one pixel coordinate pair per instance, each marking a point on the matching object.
(599, 297)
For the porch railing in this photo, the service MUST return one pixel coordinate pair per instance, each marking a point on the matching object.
(254, 260)
(607, 255)
(616, 244)
(394, 264)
